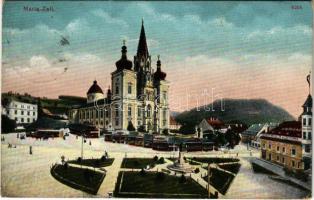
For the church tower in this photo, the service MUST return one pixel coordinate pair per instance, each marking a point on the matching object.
(161, 86)
(123, 100)
(142, 64)
(145, 88)
(307, 129)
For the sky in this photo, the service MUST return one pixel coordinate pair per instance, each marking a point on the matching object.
(223, 49)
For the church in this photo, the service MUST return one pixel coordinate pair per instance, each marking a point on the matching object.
(138, 97)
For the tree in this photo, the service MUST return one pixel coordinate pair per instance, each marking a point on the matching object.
(165, 131)
(155, 158)
(220, 139)
(187, 129)
(8, 125)
(141, 129)
(130, 126)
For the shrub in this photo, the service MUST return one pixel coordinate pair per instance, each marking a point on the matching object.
(66, 166)
(141, 129)
(103, 158)
(197, 170)
(165, 132)
(152, 165)
(79, 159)
(155, 158)
(130, 126)
(161, 160)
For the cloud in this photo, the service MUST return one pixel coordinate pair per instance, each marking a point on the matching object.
(279, 31)
(109, 19)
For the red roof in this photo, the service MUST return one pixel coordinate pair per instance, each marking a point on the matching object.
(173, 121)
(289, 128)
(215, 123)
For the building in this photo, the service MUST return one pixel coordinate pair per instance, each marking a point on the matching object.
(210, 124)
(306, 118)
(283, 146)
(138, 96)
(250, 133)
(21, 112)
(256, 141)
(173, 124)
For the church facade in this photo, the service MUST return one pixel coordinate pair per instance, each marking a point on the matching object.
(138, 96)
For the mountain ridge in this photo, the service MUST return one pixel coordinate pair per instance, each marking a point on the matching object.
(249, 111)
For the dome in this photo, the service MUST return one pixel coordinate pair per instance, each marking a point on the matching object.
(159, 75)
(95, 88)
(124, 63)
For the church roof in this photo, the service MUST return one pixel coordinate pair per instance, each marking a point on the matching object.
(124, 63)
(142, 48)
(308, 102)
(94, 88)
(159, 75)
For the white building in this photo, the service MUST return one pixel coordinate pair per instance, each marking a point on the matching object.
(307, 131)
(21, 112)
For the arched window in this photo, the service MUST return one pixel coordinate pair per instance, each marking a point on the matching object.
(129, 111)
(149, 110)
(129, 88)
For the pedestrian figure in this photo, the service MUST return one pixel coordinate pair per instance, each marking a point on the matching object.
(90, 142)
(30, 150)
(18, 135)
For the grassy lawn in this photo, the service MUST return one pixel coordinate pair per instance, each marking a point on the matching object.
(79, 178)
(157, 185)
(139, 163)
(94, 162)
(220, 180)
(234, 168)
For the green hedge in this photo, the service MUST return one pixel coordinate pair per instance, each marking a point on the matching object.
(94, 162)
(157, 185)
(79, 178)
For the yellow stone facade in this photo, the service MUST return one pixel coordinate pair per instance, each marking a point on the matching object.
(288, 154)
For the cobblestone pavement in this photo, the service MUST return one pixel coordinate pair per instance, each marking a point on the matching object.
(24, 175)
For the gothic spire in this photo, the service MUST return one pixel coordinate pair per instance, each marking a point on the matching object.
(142, 49)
